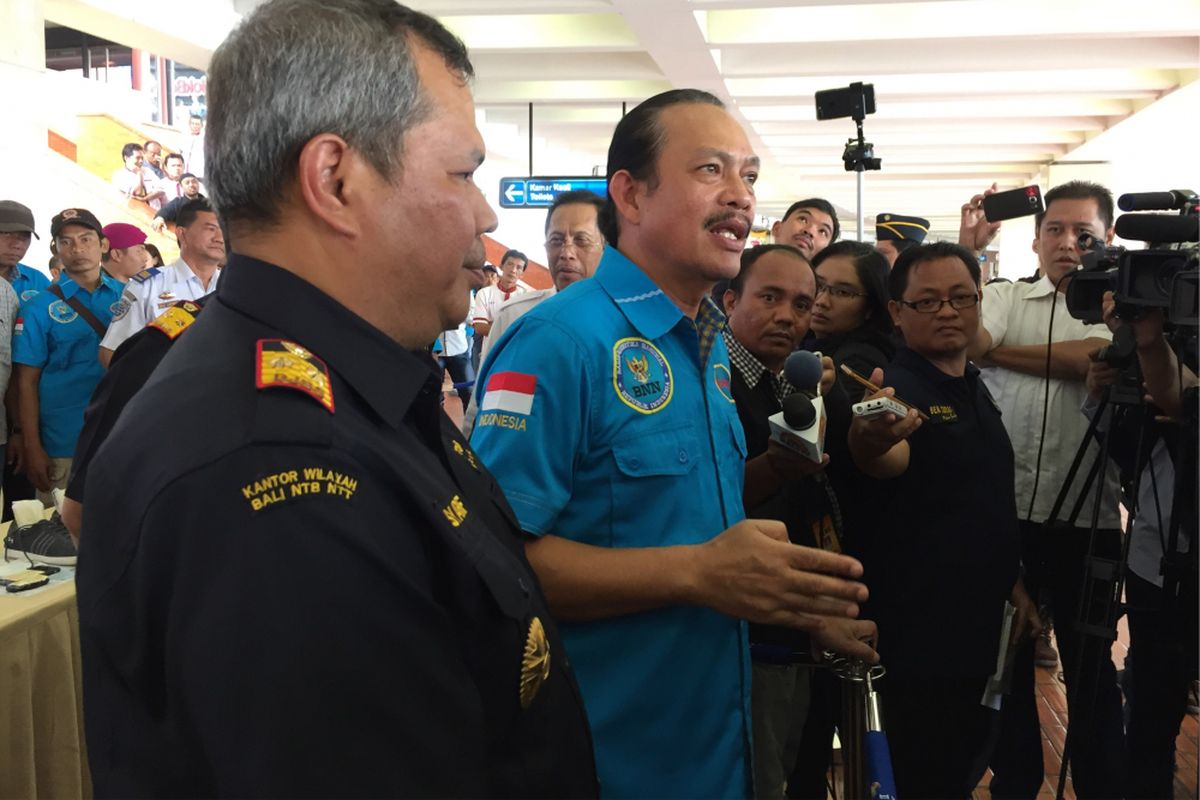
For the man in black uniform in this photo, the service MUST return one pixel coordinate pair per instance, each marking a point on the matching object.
(319, 590)
(941, 553)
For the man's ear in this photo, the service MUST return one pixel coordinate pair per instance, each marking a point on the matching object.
(331, 179)
(894, 310)
(626, 193)
(730, 300)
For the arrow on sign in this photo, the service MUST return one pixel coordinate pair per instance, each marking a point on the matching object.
(514, 192)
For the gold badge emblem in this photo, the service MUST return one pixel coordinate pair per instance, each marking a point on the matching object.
(468, 454)
(286, 364)
(69, 213)
(455, 513)
(167, 295)
(175, 319)
(535, 664)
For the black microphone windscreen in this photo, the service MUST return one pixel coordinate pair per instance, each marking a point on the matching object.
(798, 411)
(1148, 201)
(1158, 227)
(803, 370)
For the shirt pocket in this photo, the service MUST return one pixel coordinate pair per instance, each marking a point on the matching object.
(73, 346)
(652, 496)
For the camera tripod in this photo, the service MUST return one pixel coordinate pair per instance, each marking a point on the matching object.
(1103, 574)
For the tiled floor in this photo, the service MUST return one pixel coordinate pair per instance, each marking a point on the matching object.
(1052, 708)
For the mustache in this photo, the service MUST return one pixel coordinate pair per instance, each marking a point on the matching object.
(716, 219)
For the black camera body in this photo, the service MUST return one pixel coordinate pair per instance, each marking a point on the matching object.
(1164, 276)
(1140, 280)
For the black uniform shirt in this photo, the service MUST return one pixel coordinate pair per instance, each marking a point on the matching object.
(298, 580)
(941, 551)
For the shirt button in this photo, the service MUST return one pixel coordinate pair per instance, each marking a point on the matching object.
(683, 456)
(635, 462)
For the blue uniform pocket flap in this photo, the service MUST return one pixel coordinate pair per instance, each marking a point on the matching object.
(670, 452)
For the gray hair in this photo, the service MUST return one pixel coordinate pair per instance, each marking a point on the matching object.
(294, 69)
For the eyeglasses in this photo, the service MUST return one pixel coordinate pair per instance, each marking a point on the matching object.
(840, 292)
(929, 305)
(580, 241)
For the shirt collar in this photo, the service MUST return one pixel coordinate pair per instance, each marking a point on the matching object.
(644, 304)
(751, 368)
(1041, 288)
(183, 273)
(387, 376)
(69, 287)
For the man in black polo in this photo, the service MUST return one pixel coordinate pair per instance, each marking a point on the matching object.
(942, 551)
(318, 591)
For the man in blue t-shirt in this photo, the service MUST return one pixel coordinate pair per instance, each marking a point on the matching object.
(16, 234)
(54, 349)
(606, 416)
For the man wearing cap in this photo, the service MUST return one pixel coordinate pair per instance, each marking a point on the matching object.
(126, 254)
(54, 349)
(895, 233)
(152, 291)
(16, 234)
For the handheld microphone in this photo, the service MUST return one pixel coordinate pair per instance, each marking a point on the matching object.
(800, 426)
(1158, 228)
(1156, 201)
(803, 370)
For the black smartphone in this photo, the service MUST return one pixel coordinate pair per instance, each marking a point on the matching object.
(856, 100)
(1014, 203)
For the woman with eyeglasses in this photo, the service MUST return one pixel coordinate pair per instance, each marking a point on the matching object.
(850, 313)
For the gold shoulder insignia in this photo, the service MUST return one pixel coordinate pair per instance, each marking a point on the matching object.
(287, 364)
(176, 319)
(535, 664)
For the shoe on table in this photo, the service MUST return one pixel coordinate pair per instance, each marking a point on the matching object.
(46, 541)
(1044, 654)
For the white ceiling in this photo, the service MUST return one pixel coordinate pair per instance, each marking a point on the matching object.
(967, 91)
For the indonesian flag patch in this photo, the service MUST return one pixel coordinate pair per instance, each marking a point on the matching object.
(510, 392)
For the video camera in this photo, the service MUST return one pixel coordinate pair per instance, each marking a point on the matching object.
(1164, 276)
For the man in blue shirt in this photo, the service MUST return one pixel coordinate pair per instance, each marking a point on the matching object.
(54, 349)
(16, 234)
(606, 415)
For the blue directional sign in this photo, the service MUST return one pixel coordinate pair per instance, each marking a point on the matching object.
(540, 192)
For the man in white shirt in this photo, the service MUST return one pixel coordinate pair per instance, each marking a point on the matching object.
(455, 358)
(1018, 321)
(193, 151)
(148, 294)
(135, 180)
(170, 184)
(489, 298)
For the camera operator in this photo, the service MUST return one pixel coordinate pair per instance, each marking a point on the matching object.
(1161, 659)
(1041, 357)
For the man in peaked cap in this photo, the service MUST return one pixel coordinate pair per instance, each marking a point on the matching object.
(53, 349)
(16, 234)
(895, 233)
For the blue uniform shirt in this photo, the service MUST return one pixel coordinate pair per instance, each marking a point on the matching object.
(28, 281)
(604, 425)
(52, 336)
